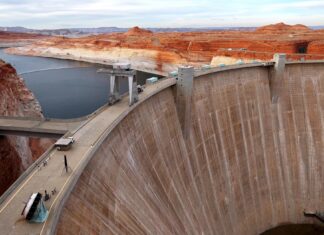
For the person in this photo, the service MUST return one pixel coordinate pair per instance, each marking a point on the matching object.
(47, 196)
(65, 164)
(54, 191)
(140, 88)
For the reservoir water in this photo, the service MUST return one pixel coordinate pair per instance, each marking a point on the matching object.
(65, 88)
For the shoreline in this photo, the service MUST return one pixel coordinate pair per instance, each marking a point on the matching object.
(141, 59)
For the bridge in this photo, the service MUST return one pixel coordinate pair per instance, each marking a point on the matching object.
(231, 150)
(37, 127)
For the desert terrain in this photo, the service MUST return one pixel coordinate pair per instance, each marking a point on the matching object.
(164, 52)
(13, 39)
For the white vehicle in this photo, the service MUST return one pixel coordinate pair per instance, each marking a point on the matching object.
(64, 144)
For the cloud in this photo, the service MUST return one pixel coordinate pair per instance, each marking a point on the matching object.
(167, 13)
(297, 4)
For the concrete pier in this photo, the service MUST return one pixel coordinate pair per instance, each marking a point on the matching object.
(277, 76)
(121, 71)
(184, 97)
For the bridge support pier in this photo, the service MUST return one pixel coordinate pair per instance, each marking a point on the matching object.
(277, 76)
(184, 97)
(119, 71)
(114, 89)
(133, 92)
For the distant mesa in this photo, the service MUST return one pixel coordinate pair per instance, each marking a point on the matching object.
(137, 31)
(282, 27)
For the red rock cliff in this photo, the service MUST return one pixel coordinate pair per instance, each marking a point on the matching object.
(17, 153)
(136, 31)
(283, 28)
(165, 51)
(316, 47)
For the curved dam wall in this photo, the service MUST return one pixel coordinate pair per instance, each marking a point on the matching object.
(252, 160)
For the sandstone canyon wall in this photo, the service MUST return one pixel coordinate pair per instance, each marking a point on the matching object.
(17, 153)
(164, 52)
(13, 39)
(249, 164)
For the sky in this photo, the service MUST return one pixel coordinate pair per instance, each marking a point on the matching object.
(50, 14)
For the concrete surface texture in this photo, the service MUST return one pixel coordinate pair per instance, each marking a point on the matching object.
(249, 164)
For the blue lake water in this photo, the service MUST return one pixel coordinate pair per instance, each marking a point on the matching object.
(65, 88)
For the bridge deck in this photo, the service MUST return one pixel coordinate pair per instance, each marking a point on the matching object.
(34, 127)
(52, 176)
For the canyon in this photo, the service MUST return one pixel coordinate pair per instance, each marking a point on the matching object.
(17, 153)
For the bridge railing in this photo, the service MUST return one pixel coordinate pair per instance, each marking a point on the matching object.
(59, 120)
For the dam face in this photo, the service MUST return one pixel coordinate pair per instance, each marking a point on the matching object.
(251, 161)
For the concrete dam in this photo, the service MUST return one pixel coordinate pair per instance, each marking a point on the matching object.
(238, 151)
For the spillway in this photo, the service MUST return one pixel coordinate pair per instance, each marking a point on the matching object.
(250, 158)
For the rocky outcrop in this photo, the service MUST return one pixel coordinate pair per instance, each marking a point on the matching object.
(10, 164)
(15, 98)
(316, 47)
(11, 39)
(17, 153)
(248, 56)
(282, 27)
(136, 31)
